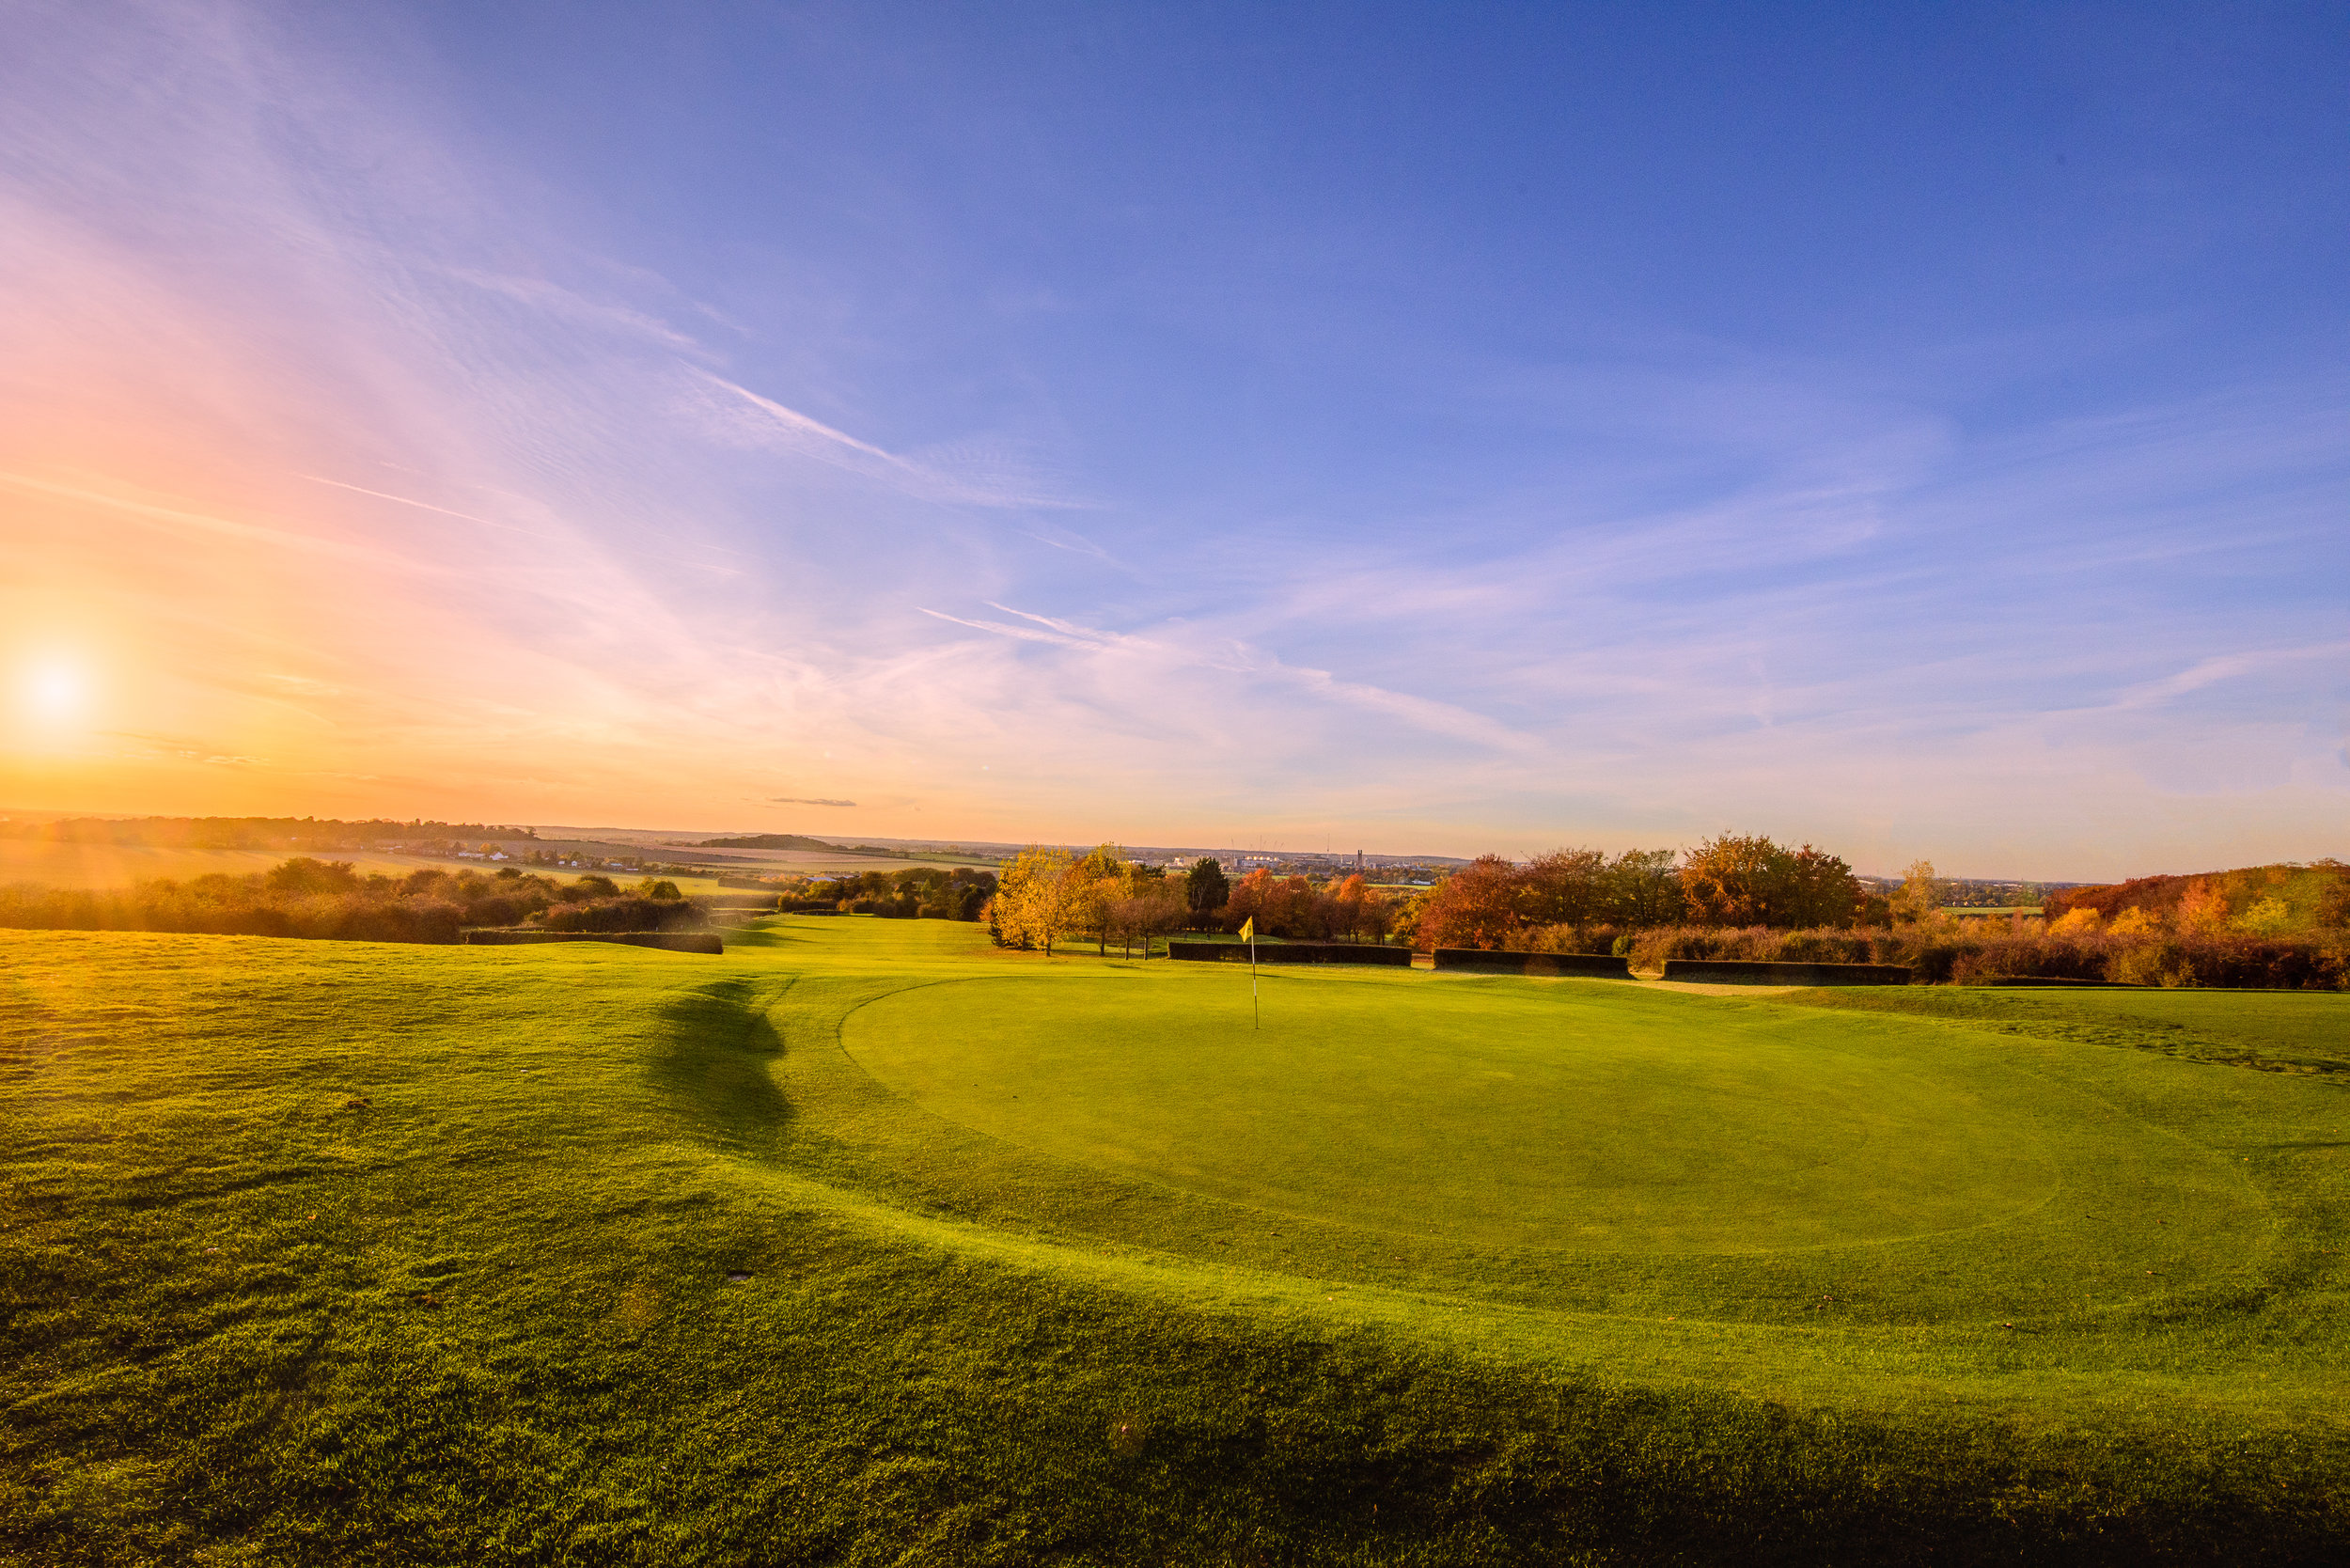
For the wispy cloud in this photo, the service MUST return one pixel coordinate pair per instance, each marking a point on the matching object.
(427, 505)
(558, 301)
(2228, 667)
(1684, 589)
(964, 474)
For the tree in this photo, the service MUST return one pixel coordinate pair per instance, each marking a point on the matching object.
(2269, 917)
(1474, 907)
(1246, 901)
(2333, 904)
(1031, 908)
(1820, 889)
(1358, 910)
(1643, 888)
(2203, 910)
(1566, 887)
(1920, 894)
(1205, 889)
(1289, 909)
(306, 875)
(1152, 908)
(1096, 884)
(1738, 880)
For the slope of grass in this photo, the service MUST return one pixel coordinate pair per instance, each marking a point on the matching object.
(346, 1253)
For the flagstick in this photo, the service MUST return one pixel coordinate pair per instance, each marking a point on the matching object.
(1256, 1015)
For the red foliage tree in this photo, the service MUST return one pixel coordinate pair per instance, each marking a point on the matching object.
(1477, 906)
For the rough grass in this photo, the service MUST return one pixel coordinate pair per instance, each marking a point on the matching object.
(345, 1253)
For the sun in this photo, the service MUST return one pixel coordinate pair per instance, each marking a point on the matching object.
(55, 689)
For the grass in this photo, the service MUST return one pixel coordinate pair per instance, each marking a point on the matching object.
(345, 1253)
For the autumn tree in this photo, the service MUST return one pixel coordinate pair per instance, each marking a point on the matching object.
(1567, 886)
(1152, 907)
(2203, 909)
(1477, 906)
(1246, 901)
(1921, 894)
(1032, 903)
(1738, 880)
(2333, 904)
(1097, 885)
(1358, 910)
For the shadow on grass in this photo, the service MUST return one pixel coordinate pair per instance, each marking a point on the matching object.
(713, 1060)
(759, 935)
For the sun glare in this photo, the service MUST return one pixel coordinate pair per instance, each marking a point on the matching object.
(55, 689)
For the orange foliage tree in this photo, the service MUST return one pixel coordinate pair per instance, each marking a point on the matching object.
(1748, 880)
(1477, 906)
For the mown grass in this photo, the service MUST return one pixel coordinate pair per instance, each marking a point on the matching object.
(345, 1253)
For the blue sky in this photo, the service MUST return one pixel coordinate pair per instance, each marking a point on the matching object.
(1925, 432)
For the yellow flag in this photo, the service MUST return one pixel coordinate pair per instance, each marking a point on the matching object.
(1249, 929)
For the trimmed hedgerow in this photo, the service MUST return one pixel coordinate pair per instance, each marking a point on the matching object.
(1982, 953)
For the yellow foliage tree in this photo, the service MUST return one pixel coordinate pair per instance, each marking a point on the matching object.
(1034, 906)
(1920, 894)
(2267, 918)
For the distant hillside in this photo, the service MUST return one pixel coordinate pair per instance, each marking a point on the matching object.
(772, 841)
(244, 833)
(2312, 896)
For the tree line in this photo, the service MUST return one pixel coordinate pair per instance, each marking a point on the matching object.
(306, 897)
(1729, 880)
(1048, 896)
(919, 893)
(247, 833)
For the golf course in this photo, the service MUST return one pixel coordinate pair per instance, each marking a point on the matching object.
(868, 1241)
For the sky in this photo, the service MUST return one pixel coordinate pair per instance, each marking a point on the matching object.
(1922, 431)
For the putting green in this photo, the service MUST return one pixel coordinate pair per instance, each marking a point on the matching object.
(1579, 1116)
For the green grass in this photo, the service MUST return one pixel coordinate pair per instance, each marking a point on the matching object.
(350, 1253)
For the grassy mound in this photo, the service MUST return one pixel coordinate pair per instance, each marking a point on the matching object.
(868, 1243)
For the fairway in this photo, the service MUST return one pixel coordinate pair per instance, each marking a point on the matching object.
(857, 1240)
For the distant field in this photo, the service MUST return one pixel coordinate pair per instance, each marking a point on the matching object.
(749, 862)
(768, 862)
(868, 1242)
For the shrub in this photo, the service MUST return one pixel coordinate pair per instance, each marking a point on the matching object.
(622, 914)
(1566, 937)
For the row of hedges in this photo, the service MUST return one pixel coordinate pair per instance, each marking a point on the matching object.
(1944, 954)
